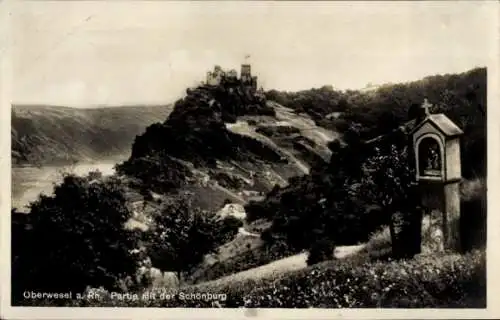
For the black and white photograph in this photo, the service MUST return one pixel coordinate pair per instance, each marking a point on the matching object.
(249, 155)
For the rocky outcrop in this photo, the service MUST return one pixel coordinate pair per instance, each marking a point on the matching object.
(224, 142)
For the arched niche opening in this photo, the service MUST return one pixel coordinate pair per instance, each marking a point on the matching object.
(430, 157)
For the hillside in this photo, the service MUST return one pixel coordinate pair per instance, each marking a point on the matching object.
(222, 145)
(49, 135)
(330, 199)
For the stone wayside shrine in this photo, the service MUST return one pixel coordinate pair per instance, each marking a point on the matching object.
(435, 140)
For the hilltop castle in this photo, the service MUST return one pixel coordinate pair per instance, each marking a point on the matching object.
(219, 76)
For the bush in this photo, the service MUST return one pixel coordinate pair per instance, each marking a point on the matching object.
(183, 234)
(159, 173)
(259, 209)
(249, 259)
(322, 250)
(229, 181)
(272, 131)
(229, 228)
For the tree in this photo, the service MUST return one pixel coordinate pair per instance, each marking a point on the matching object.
(77, 239)
(389, 183)
(182, 235)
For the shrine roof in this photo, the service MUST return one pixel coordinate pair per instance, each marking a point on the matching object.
(443, 123)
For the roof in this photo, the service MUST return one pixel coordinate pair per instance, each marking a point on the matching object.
(443, 123)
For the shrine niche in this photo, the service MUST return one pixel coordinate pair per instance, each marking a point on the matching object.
(430, 157)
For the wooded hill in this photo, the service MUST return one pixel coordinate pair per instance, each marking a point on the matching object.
(51, 135)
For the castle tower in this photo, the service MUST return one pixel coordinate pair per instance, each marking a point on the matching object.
(254, 83)
(246, 74)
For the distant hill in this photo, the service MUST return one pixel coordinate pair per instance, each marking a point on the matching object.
(48, 135)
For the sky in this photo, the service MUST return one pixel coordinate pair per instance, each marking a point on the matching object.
(108, 53)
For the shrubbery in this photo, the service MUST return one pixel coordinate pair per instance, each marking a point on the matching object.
(261, 209)
(451, 281)
(317, 102)
(77, 238)
(159, 173)
(321, 250)
(229, 181)
(244, 261)
(182, 235)
(272, 131)
(438, 281)
(327, 205)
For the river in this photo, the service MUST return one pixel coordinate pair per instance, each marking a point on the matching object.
(28, 182)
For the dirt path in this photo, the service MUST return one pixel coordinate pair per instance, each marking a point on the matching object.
(281, 266)
(244, 232)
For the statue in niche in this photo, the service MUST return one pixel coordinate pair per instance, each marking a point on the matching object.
(433, 158)
(430, 157)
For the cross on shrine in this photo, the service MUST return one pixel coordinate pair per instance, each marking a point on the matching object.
(426, 106)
